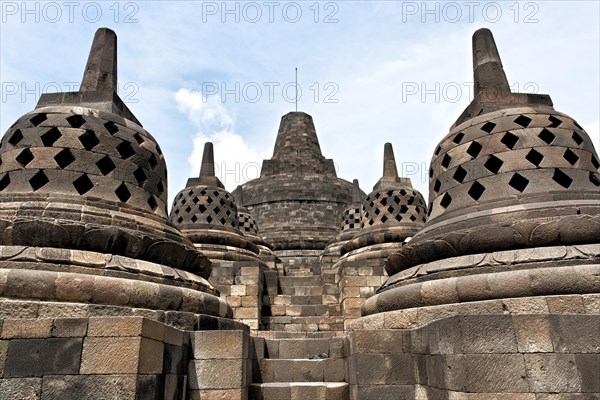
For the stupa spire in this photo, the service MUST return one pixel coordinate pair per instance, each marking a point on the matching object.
(100, 73)
(207, 169)
(488, 72)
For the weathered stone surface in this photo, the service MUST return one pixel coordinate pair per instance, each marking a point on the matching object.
(554, 373)
(89, 387)
(21, 388)
(116, 355)
(215, 374)
(39, 357)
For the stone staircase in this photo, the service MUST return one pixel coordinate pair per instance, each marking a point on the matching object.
(303, 303)
(305, 367)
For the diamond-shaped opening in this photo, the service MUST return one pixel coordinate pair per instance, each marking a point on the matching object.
(459, 174)
(16, 137)
(398, 217)
(140, 176)
(202, 192)
(476, 190)
(209, 200)
(383, 219)
(436, 186)
(123, 193)
(64, 158)
(488, 127)
(546, 136)
(571, 157)
(446, 200)
(180, 219)
(595, 162)
(38, 180)
(209, 219)
(390, 209)
(437, 150)
(75, 121)
(111, 127)
(554, 122)
(223, 221)
(89, 140)
(25, 157)
(523, 121)
(493, 164)
(377, 211)
(83, 184)
(446, 161)
(176, 210)
(402, 193)
(138, 138)
(216, 193)
(413, 218)
(222, 202)
(474, 149)
(518, 182)
(154, 205)
(534, 157)
(188, 209)
(125, 150)
(576, 138)
(201, 208)
(4, 182)
(38, 119)
(196, 200)
(160, 187)
(106, 165)
(153, 161)
(410, 200)
(459, 136)
(50, 137)
(593, 178)
(561, 178)
(396, 200)
(509, 140)
(194, 218)
(403, 209)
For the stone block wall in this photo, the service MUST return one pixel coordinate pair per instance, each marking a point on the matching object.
(359, 280)
(91, 358)
(241, 284)
(221, 365)
(530, 349)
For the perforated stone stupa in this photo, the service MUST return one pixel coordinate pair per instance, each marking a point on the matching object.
(298, 285)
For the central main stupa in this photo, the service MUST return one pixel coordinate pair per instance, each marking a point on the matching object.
(298, 199)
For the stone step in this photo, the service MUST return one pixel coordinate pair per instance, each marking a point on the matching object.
(300, 290)
(303, 271)
(298, 335)
(300, 281)
(307, 324)
(299, 391)
(296, 370)
(288, 299)
(304, 348)
(298, 310)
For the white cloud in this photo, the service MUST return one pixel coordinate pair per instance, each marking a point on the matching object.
(236, 161)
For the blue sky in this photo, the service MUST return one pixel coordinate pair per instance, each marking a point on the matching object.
(370, 71)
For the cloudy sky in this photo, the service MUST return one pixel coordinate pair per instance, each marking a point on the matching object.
(369, 72)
